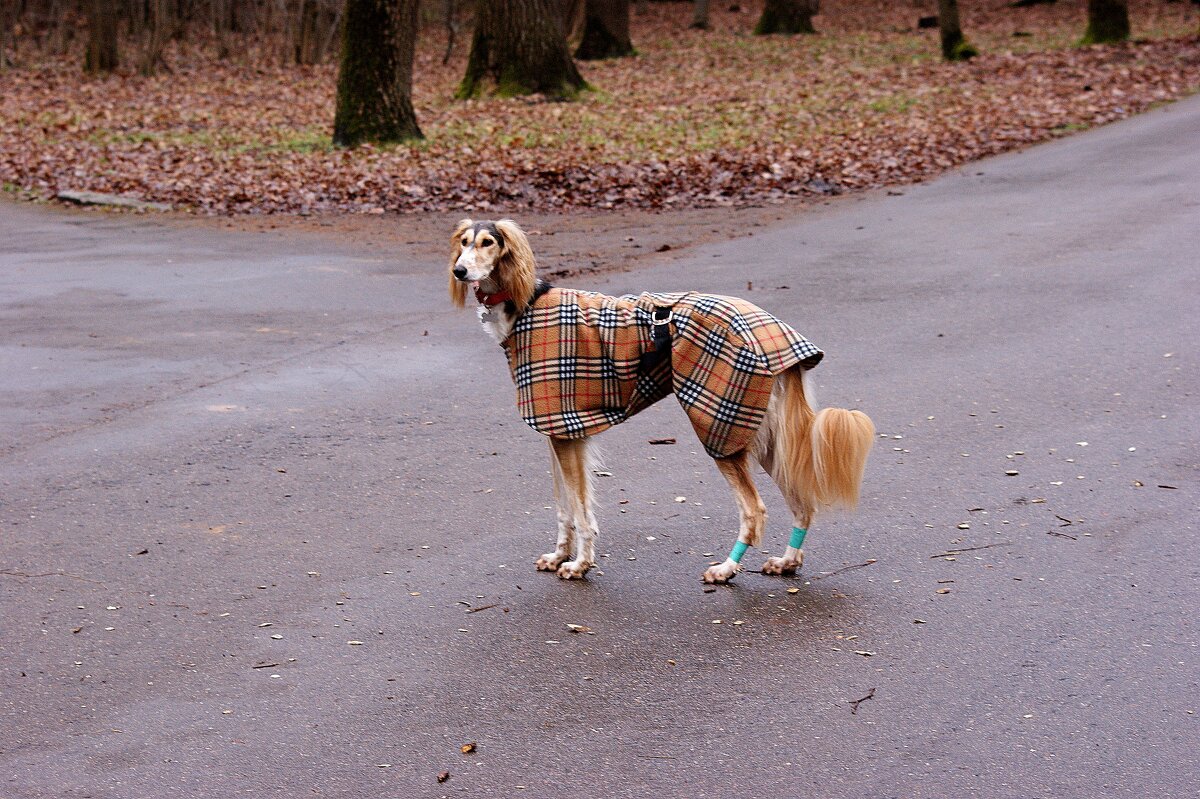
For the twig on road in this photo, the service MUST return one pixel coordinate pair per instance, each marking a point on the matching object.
(854, 703)
(484, 607)
(969, 549)
(823, 575)
(15, 573)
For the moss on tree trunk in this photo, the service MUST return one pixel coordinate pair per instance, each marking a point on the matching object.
(605, 30)
(1108, 21)
(374, 96)
(787, 16)
(954, 46)
(519, 48)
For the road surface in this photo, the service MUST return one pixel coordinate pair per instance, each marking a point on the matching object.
(226, 458)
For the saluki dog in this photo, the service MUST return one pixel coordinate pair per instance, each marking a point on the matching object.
(583, 362)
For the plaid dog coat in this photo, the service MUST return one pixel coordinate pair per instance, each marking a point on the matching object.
(577, 360)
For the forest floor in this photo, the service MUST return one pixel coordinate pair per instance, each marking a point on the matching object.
(695, 120)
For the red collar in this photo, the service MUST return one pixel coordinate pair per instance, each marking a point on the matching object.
(492, 299)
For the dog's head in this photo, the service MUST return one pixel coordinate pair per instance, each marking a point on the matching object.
(496, 254)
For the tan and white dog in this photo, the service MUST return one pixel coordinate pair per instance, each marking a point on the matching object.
(583, 362)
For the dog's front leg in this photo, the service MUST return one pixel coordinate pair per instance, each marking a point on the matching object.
(565, 545)
(571, 456)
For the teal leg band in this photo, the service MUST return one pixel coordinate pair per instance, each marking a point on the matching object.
(798, 534)
(739, 549)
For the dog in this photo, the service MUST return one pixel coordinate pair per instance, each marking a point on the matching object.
(583, 362)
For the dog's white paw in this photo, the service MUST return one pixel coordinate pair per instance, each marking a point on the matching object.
(573, 570)
(782, 566)
(550, 561)
(721, 574)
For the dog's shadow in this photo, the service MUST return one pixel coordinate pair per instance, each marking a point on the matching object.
(650, 610)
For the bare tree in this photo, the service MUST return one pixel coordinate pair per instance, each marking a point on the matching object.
(787, 16)
(605, 30)
(1108, 21)
(102, 53)
(954, 46)
(160, 25)
(518, 46)
(374, 94)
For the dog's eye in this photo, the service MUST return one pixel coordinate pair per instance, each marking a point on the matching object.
(486, 243)
(465, 242)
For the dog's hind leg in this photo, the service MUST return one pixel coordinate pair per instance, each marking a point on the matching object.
(793, 556)
(566, 520)
(753, 513)
(571, 456)
(802, 516)
(793, 474)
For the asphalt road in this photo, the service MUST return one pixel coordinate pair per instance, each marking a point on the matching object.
(202, 434)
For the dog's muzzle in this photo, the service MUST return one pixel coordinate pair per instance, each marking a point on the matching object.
(460, 272)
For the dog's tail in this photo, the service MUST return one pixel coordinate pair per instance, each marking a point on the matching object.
(818, 457)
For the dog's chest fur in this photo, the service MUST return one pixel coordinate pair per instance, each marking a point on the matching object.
(497, 320)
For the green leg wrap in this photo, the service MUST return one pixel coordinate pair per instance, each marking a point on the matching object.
(739, 549)
(798, 534)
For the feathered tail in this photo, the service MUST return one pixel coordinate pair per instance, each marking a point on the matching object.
(817, 457)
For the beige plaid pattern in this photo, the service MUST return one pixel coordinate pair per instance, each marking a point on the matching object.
(576, 359)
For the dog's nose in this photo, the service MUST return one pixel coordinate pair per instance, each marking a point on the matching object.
(460, 272)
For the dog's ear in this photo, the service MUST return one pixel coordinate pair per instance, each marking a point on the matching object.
(458, 289)
(517, 268)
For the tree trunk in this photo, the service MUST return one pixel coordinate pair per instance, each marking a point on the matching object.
(1108, 21)
(700, 15)
(5, 27)
(374, 97)
(787, 16)
(954, 46)
(102, 54)
(315, 26)
(605, 30)
(519, 47)
(159, 32)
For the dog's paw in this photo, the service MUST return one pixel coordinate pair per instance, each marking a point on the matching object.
(573, 570)
(781, 566)
(550, 561)
(720, 574)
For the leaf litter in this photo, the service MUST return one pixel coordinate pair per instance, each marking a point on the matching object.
(696, 119)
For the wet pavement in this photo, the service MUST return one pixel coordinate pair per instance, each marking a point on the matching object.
(268, 517)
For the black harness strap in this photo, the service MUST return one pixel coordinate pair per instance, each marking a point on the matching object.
(661, 336)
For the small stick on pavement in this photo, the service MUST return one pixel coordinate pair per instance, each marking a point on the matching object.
(823, 575)
(484, 607)
(1062, 535)
(854, 703)
(14, 573)
(969, 549)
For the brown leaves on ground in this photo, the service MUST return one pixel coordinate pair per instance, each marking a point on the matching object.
(695, 119)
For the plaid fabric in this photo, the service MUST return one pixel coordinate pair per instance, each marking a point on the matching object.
(576, 359)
